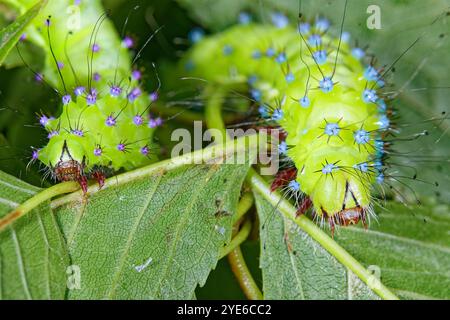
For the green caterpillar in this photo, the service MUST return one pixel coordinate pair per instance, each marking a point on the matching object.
(317, 88)
(103, 118)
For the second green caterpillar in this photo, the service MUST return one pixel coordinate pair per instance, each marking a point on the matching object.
(318, 90)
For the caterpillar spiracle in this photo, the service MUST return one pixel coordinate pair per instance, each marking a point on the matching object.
(104, 120)
(322, 93)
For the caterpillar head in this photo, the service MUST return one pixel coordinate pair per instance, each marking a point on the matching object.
(99, 134)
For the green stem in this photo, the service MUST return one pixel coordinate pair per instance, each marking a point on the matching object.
(244, 205)
(289, 212)
(35, 201)
(243, 275)
(237, 240)
(213, 110)
(213, 118)
(206, 155)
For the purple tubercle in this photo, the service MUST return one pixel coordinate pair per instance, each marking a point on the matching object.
(128, 42)
(43, 120)
(78, 132)
(97, 76)
(154, 96)
(134, 94)
(35, 154)
(91, 98)
(115, 91)
(39, 77)
(52, 134)
(156, 122)
(145, 150)
(136, 75)
(66, 99)
(121, 147)
(110, 121)
(137, 120)
(95, 47)
(79, 91)
(98, 151)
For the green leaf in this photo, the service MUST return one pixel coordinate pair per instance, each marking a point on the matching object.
(11, 34)
(155, 232)
(294, 266)
(33, 255)
(153, 238)
(410, 248)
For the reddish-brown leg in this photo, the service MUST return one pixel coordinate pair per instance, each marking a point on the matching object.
(100, 178)
(283, 178)
(304, 206)
(363, 219)
(332, 225)
(82, 180)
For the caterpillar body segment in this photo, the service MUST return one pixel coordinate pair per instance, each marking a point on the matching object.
(102, 122)
(317, 89)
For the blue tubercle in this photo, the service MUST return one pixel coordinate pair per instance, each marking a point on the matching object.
(304, 102)
(252, 79)
(277, 115)
(328, 168)
(281, 58)
(227, 50)
(294, 185)
(270, 52)
(315, 40)
(304, 28)
(282, 147)
(370, 96)
(332, 129)
(320, 56)
(195, 35)
(244, 18)
(381, 105)
(358, 53)
(256, 54)
(256, 94)
(326, 84)
(263, 111)
(380, 178)
(322, 24)
(362, 136)
(363, 167)
(384, 122)
(279, 20)
(371, 74)
(290, 77)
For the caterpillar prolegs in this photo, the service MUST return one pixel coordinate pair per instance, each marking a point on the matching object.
(104, 120)
(317, 88)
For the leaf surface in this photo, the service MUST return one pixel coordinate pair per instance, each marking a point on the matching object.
(33, 255)
(153, 238)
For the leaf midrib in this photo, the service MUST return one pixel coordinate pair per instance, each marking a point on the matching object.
(131, 235)
(175, 239)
